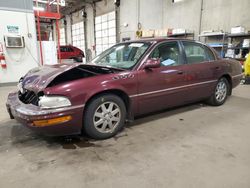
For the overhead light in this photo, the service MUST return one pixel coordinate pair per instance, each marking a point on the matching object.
(38, 8)
(176, 1)
(62, 3)
(117, 2)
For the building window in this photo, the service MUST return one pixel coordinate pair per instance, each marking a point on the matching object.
(78, 35)
(105, 31)
(62, 36)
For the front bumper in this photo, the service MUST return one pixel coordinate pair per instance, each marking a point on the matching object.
(27, 113)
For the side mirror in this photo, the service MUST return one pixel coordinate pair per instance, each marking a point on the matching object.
(152, 63)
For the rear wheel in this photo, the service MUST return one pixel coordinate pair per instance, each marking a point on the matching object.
(77, 59)
(104, 116)
(220, 93)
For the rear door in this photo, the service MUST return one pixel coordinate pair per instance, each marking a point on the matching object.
(162, 87)
(202, 71)
(67, 52)
(70, 52)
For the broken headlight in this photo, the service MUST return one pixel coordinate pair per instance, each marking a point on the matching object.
(47, 102)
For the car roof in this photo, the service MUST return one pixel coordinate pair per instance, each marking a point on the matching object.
(162, 39)
(159, 39)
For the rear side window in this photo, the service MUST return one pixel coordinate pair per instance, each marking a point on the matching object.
(196, 53)
(210, 54)
(66, 49)
(69, 49)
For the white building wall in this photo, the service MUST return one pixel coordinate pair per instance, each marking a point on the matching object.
(151, 17)
(19, 60)
(149, 13)
(129, 16)
(224, 14)
(184, 14)
(215, 14)
(104, 7)
(164, 14)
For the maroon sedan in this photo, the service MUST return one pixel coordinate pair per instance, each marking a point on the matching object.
(127, 80)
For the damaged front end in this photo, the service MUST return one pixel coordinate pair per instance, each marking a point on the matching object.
(46, 112)
(31, 86)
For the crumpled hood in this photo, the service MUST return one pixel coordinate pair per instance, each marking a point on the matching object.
(39, 78)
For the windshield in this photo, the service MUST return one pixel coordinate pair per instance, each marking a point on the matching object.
(123, 56)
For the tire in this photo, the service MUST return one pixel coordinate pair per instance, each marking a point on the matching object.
(104, 116)
(221, 92)
(76, 59)
(79, 59)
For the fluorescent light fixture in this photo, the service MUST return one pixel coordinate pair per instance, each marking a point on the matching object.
(38, 8)
(176, 1)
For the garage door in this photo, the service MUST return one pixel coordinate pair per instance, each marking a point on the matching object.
(78, 35)
(105, 31)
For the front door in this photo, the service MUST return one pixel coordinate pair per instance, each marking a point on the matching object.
(159, 88)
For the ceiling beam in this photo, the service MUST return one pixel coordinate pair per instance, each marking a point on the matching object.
(75, 5)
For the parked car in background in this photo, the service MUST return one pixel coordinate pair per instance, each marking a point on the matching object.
(71, 52)
(127, 80)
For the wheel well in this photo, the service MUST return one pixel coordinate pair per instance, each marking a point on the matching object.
(116, 92)
(229, 79)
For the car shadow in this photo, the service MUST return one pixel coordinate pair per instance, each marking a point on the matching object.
(165, 113)
(23, 137)
(72, 142)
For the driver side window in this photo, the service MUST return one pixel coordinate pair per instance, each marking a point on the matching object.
(168, 53)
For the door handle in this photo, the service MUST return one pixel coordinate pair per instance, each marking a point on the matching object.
(180, 72)
(217, 68)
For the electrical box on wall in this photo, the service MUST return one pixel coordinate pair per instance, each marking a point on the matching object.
(14, 41)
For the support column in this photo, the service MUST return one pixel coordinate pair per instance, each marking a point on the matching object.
(90, 22)
(68, 29)
(54, 36)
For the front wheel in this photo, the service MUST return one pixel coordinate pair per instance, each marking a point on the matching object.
(220, 93)
(104, 116)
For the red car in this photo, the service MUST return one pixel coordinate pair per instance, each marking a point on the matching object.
(127, 80)
(71, 52)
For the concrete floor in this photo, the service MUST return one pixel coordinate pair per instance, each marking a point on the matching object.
(191, 146)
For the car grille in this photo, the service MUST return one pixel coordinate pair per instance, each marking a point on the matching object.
(28, 97)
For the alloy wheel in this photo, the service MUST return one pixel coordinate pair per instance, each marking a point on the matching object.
(107, 117)
(221, 91)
